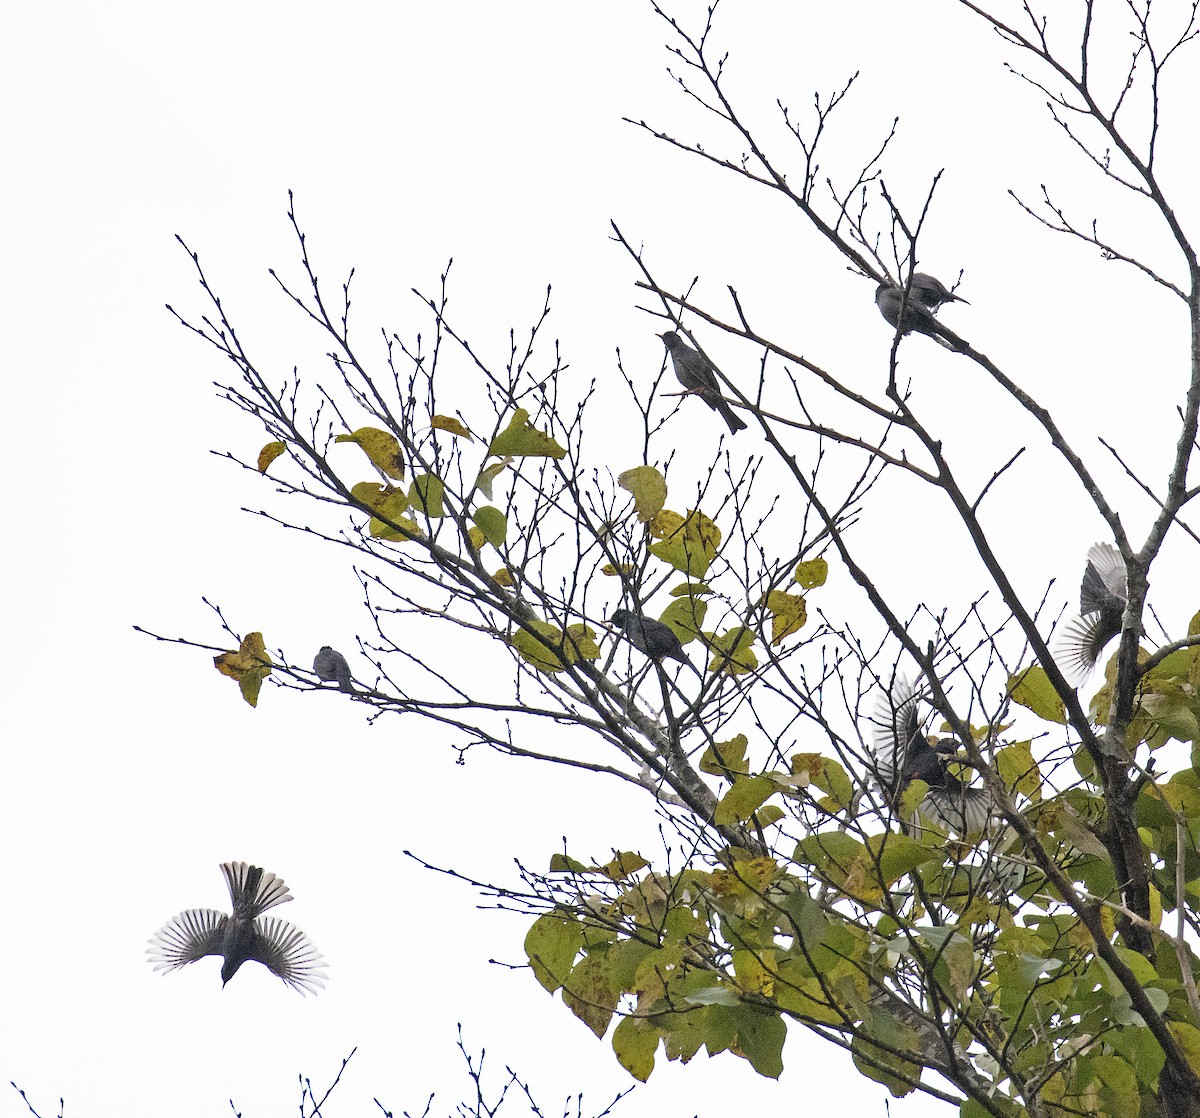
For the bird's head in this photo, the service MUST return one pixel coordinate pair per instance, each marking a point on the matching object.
(230, 967)
(670, 339)
(619, 618)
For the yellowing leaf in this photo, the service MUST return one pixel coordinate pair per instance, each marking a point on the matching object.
(505, 577)
(623, 569)
(249, 665)
(690, 545)
(268, 454)
(522, 440)
(476, 538)
(745, 796)
(389, 505)
(788, 614)
(811, 573)
(425, 495)
(492, 523)
(726, 758)
(489, 474)
(733, 651)
(649, 489)
(634, 1043)
(624, 865)
(543, 650)
(382, 447)
(1034, 691)
(684, 616)
(449, 423)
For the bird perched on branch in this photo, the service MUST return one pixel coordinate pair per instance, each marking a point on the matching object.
(696, 374)
(652, 638)
(1102, 597)
(242, 937)
(903, 754)
(916, 314)
(330, 665)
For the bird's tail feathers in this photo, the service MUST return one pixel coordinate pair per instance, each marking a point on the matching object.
(252, 889)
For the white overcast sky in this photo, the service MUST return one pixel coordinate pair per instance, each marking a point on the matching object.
(412, 133)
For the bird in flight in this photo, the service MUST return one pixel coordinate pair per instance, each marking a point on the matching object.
(244, 936)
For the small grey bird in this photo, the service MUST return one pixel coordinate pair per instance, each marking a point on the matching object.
(923, 300)
(652, 638)
(696, 374)
(903, 754)
(1102, 597)
(330, 665)
(930, 292)
(283, 949)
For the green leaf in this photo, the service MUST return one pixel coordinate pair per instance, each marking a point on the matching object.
(1019, 770)
(726, 758)
(635, 1042)
(811, 573)
(733, 651)
(381, 447)
(492, 523)
(589, 993)
(743, 798)
(713, 995)
(425, 495)
(649, 489)
(758, 1035)
(1034, 691)
(684, 616)
(522, 440)
(545, 647)
(551, 945)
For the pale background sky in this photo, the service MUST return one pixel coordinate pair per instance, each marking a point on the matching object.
(411, 133)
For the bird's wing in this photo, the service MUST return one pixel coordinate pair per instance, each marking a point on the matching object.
(187, 937)
(1104, 562)
(252, 889)
(1080, 642)
(958, 808)
(893, 726)
(288, 954)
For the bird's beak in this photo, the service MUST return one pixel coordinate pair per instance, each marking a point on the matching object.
(959, 299)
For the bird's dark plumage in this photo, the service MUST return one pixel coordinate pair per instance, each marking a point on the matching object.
(1102, 597)
(930, 292)
(243, 936)
(902, 754)
(330, 665)
(652, 638)
(916, 315)
(697, 376)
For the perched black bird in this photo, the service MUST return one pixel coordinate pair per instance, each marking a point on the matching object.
(1102, 597)
(330, 665)
(903, 754)
(283, 949)
(924, 298)
(930, 292)
(652, 638)
(696, 375)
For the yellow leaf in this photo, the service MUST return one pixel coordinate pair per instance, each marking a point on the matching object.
(268, 454)
(381, 447)
(726, 758)
(733, 651)
(389, 505)
(492, 523)
(425, 495)
(811, 573)
(476, 538)
(449, 423)
(522, 440)
(788, 614)
(690, 546)
(649, 489)
(505, 577)
(249, 665)
(489, 474)
(623, 569)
